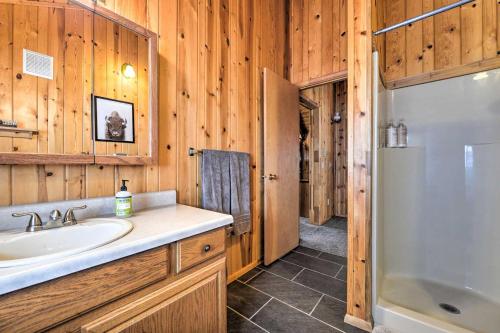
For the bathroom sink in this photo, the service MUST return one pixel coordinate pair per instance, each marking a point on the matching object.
(33, 247)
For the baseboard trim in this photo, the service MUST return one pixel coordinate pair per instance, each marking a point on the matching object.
(242, 271)
(359, 323)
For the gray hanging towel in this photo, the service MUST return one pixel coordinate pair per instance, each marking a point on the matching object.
(215, 181)
(239, 166)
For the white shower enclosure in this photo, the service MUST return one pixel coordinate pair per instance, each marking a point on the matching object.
(436, 218)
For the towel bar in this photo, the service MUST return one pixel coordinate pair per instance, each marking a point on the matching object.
(193, 152)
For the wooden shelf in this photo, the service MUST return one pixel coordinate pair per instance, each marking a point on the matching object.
(123, 160)
(66, 159)
(35, 159)
(14, 132)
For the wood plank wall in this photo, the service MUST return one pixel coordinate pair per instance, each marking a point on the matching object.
(340, 151)
(210, 56)
(305, 195)
(318, 38)
(359, 110)
(321, 149)
(459, 37)
(60, 109)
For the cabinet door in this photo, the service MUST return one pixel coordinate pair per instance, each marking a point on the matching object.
(194, 303)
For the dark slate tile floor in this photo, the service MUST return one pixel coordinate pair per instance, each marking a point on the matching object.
(313, 263)
(283, 269)
(291, 293)
(305, 291)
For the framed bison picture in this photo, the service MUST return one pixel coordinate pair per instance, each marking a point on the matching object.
(113, 120)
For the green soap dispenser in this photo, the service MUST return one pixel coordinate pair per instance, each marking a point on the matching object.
(123, 202)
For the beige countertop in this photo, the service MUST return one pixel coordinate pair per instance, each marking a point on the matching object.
(152, 228)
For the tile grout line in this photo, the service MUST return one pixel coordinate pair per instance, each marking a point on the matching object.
(310, 255)
(321, 321)
(298, 274)
(340, 270)
(261, 307)
(320, 258)
(277, 299)
(262, 328)
(300, 284)
(302, 311)
(317, 303)
(312, 270)
(253, 277)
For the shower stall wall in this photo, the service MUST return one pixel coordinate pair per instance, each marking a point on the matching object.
(436, 232)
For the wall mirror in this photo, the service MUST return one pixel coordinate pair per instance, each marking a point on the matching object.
(77, 85)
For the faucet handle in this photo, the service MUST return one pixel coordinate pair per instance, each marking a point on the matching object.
(55, 215)
(69, 216)
(35, 222)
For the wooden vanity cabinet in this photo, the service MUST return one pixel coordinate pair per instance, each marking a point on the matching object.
(140, 293)
(193, 303)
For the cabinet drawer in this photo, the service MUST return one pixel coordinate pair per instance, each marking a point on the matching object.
(192, 251)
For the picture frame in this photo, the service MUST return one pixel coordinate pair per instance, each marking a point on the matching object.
(113, 120)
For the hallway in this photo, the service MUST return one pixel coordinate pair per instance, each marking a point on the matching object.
(330, 237)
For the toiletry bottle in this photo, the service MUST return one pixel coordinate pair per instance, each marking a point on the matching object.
(402, 135)
(391, 135)
(123, 200)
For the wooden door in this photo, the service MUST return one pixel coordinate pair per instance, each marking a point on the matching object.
(281, 166)
(195, 303)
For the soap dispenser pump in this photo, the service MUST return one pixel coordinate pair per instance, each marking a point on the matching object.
(123, 207)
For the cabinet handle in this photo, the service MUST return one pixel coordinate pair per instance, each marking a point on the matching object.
(206, 248)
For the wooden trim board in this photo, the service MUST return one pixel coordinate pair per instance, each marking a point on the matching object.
(359, 115)
(356, 322)
(329, 78)
(123, 160)
(37, 159)
(66, 159)
(443, 74)
(15, 132)
(242, 271)
(307, 102)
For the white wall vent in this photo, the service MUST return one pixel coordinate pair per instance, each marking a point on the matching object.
(38, 64)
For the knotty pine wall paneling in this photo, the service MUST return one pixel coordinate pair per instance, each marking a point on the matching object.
(340, 151)
(211, 53)
(61, 108)
(450, 40)
(359, 113)
(318, 38)
(322, 145)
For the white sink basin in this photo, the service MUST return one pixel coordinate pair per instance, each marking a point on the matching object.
(33, 247)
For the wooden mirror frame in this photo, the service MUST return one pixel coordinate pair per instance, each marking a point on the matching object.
(66, 159)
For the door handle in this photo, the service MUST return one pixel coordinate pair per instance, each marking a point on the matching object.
(270, 177)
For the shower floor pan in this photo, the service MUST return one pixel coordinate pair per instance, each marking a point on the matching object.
(412, 305)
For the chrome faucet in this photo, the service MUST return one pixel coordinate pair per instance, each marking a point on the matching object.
(69, 217)
(35, 222)
(55, 221)
(54, 215)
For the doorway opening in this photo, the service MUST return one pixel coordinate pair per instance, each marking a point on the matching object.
(323, 168)
(306, 286)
